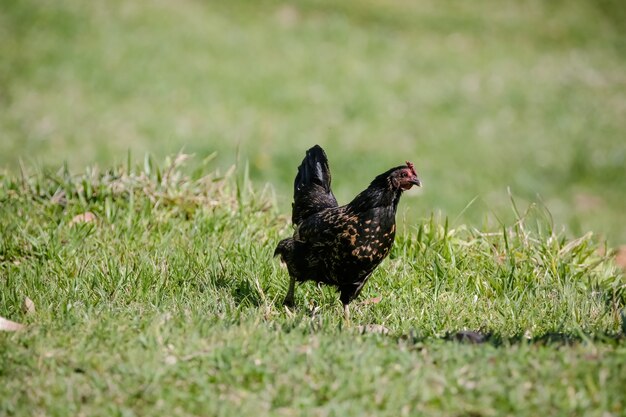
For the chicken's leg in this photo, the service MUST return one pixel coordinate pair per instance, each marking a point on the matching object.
(288, 301)
(346, 313)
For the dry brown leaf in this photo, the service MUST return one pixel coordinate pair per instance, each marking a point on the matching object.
(373, 328)
(85, 217)
(620, 257)
(28, 307)
(374, 300)
(9, 326)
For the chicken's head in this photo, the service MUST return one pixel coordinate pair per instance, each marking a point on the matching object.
(404, 177)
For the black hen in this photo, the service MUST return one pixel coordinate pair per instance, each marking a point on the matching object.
(340, 246)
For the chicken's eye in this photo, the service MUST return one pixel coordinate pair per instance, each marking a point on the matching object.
(403, 174)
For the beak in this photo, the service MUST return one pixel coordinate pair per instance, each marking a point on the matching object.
(416, 181)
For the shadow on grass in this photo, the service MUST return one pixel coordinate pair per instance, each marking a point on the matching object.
(547, 339)
(243, 291)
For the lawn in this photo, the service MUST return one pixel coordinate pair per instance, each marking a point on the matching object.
(167, 301)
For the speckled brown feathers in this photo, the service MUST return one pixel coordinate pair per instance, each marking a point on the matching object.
(340, 246)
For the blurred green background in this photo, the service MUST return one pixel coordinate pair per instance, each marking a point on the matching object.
(480, 95)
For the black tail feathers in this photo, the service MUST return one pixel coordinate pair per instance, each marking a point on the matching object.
(311, 189)
(314, 169)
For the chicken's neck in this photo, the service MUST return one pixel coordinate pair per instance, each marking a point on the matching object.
(376, 197)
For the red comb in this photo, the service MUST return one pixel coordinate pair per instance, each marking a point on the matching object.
(411, 167)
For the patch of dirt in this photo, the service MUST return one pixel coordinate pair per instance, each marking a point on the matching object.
(620, 257)
(587, 202)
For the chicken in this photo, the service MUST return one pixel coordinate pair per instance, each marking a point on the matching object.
(340, 245)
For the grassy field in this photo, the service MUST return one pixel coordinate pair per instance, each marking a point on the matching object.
(168, 301)
(480, 96)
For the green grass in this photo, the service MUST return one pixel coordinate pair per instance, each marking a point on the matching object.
(169, 303)
(481, 96)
